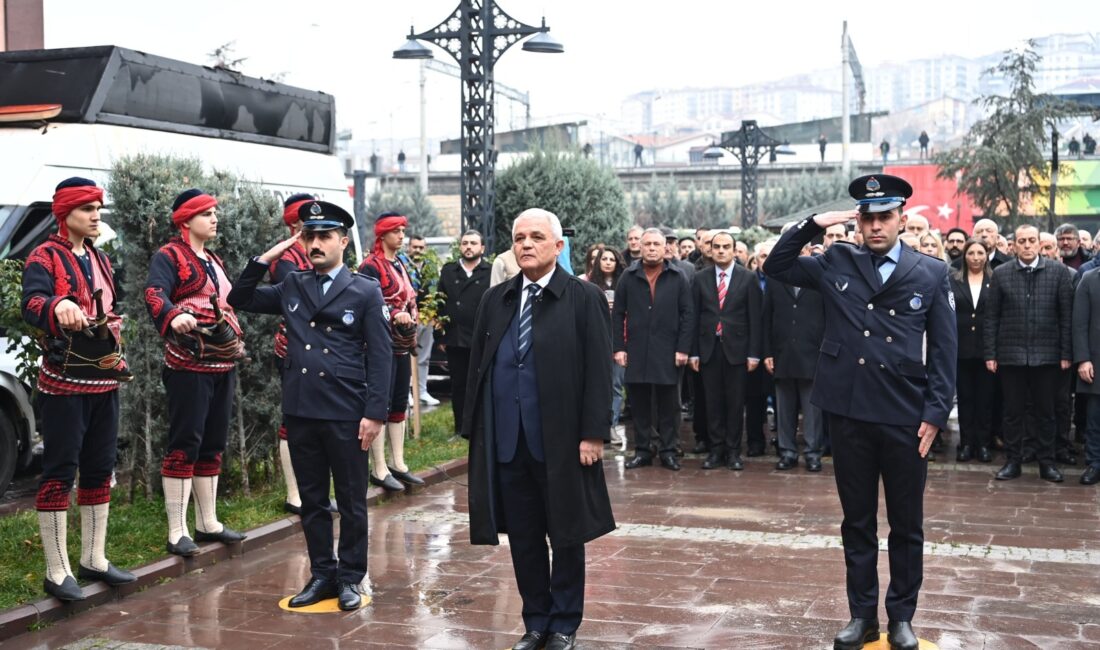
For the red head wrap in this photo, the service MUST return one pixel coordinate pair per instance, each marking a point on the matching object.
(384, 225)
(290, 212)
(67, 199)
(191, 207)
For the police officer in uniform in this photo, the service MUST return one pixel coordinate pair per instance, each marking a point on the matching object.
(335, 390)
(884, 402)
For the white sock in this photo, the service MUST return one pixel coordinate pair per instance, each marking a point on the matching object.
(93, 536)
(177, 492)
(53, 527)
(396, 433)
(206, 510)
(292, 496)
(378, 467)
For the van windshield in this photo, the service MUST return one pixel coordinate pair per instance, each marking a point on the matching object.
(22, 228)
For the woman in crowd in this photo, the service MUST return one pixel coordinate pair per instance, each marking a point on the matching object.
(591, 258)
(975, 384)
(930, 244)
(605, 275)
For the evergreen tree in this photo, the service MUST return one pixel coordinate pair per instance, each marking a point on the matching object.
(584, 195)
(1001, 163)
(408, 200)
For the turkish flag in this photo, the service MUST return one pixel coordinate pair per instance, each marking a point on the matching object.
(935, 198)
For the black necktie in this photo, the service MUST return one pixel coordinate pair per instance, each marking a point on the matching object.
(322, 280)
(879, 260)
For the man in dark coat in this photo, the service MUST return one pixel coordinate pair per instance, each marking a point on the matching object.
(793, 326)
(653, 304)
(537, 416)
(1028, 342)
(885, 403)
(462, 283)
(1086, 352)
(335, 390)
(726, 343)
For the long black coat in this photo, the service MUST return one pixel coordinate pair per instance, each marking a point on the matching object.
(740, 315)
(793, 329)
(572, 342)
(1086, 327)
(656, 328)
(970, 319)
(461, 295)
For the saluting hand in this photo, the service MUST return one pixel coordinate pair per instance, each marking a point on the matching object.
(276, 251)
(927, 433)
(70, 316)
(591, 451)
(826, 219)
(368, 431)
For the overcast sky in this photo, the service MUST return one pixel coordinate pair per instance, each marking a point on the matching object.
(612, 48)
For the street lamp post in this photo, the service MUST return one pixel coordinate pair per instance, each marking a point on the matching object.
(748, 144)
(476, 34)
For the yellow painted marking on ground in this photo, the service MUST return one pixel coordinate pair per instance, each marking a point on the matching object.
(328, 606)
(883, 644)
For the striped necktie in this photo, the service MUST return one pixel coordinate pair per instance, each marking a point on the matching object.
(721, 299)
(525, 319)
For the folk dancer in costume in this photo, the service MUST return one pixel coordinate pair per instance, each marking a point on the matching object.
(383, 265)
(200, 373)
(79, 402)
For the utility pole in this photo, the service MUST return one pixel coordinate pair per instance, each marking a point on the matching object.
(845, 110)
(423, 127)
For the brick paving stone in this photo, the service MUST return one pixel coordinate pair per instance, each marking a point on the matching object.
(713, 559)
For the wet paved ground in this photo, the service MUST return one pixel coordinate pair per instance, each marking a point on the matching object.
(714, 559)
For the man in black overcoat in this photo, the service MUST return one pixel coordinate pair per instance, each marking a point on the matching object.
(538, 413)
(462, 283)
(885, 397)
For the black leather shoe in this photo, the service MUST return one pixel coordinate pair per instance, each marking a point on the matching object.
(316, 590)
(787, 462)
(714, 461)
(408, 478)
(669, 461)
(699, 448)
(113, 576)
(349, 597)
(1091, 475)
(186, 547)
(1066, 457)
(67, 592)
(531, 641)
(227, 536)
(736, 464)
(857, 632)
(753, 452)
(291, 509)
(813, 464)
(984, 454)
(559, 641)
(638, 461)
(964, 454)
(900, 635)
(389, 484)
(1049, 472)
(1010, 471)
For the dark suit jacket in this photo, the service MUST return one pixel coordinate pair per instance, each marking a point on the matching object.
(793, 328)
(461, 295)
(969, 319)
(871, 366)
(655, 328)
(339, 352)
(572, 341)
(740, 315)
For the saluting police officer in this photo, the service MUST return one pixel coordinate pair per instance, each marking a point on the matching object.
(884, 402)
(335, 390)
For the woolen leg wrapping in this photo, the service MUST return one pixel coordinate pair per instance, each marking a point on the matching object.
(206, 499)
(292, 496)
(93, 536)
(177, 492)
(53, 527)
(396, 433)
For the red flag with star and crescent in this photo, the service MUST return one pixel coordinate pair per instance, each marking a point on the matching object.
(935, 198)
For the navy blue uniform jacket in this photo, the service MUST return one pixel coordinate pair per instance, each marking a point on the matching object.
(871, 366)
(339, 352)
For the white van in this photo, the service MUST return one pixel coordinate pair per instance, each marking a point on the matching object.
(74, 112)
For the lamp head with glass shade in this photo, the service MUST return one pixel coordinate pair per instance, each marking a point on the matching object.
(543, 42)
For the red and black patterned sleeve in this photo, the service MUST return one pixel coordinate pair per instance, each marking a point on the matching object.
(39, 299)
(162, 282)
